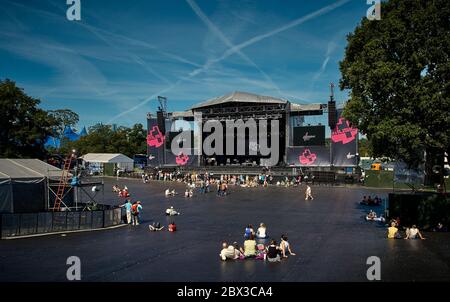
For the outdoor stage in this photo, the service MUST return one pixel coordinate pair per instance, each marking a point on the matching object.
(237, 129)
(329, 235)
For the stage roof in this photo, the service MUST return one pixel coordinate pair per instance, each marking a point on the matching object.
(240, 97)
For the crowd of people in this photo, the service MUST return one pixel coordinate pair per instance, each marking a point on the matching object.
(206, 183)
(206, 180)
(254, 247)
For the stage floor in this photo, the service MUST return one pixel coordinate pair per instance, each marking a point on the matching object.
(329, 235)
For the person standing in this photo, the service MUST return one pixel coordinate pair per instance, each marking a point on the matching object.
(136, 209)
(308, 194)
(127, 205)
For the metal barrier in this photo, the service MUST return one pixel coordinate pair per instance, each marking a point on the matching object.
(22, 224)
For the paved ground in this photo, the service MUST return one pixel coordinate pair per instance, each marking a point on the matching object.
(330, 237)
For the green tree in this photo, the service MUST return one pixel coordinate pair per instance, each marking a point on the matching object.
(398, 73)
(102, 139)
(23, 127)
(65, 118)
(364, 148)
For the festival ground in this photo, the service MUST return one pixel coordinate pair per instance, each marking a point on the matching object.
(329, 235)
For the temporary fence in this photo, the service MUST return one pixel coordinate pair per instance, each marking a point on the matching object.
(23, 224)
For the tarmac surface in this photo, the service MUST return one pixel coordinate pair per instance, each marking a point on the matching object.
(329, 235)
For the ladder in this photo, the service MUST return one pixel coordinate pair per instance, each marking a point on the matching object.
(62, 184)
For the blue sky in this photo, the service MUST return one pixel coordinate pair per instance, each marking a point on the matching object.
(110, 66)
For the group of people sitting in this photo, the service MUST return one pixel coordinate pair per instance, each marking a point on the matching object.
(372, 216)
(172, 212)
(411, 233)
(156, 227)
(252, 249)
(189, 193)
(368, 201)
(121, 192)
(169, 193)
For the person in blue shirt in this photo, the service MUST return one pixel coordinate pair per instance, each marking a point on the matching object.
(127, 206)
(249, 231)
(75, 182)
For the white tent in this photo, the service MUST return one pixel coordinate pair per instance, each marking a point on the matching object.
(121, 161)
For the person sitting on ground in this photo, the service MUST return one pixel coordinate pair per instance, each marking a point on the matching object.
(124, 193)
(116, 189)
(440, 228)
(227, 252)
(377, 200)
(238, 251)
(250, 247)
(249, 231)
(273, 252)
(172, 227)
(364, 200)
(369, 201)
(393, 232)
(169, 193)
(171, 212)
(380, 219)
(155, 226)
(285, 247)
(371, 216)
(413, 233)
(186, 193)
(261, 232)
(260, 252)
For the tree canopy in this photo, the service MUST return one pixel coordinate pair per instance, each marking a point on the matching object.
(64, 118)
(23, 127)
(103, 139)
(398, 72)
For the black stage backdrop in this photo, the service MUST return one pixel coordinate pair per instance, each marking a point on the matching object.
(344, 143)
(309, 136)
(309, 156)
(155, 143)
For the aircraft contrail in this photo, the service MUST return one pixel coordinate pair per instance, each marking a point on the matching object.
(290, 25)
(240, 46)
(213, 28)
